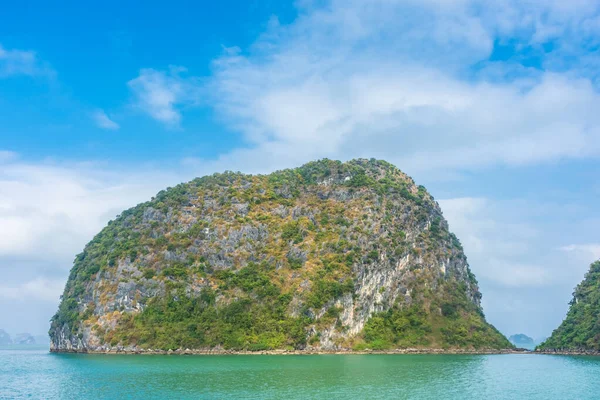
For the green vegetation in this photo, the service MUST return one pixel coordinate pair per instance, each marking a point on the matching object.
(256, 319)
(292, 231)
(397, 328)
(324, 291)
(581, 328)
(251, 279)
(179, 322)
(446, 320)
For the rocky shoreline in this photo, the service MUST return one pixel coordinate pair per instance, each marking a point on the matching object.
(207, 352)
(569, 352)
(293, 352)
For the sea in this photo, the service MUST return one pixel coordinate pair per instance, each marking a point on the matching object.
(34, 373)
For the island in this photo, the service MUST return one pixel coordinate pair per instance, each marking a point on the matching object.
(5, 338)
(24, 339)
(523, 341)
(19, 339)
(331, 256)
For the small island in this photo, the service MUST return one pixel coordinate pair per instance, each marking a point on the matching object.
(20, 339)
(523, 341)
(5, 338)
(326, 257)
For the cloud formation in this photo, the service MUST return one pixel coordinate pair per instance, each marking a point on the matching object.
(588, 252)
(414, 82)
(50, 210)
(103, 120)
(21, 62)
(161, 94)
(38, 290)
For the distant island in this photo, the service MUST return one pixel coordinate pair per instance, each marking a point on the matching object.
(24, 338)
(325, 257)
(5, 338)
(580, 330)
(20, 339)
(523, 341)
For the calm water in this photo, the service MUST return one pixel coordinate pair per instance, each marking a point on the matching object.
(38, 374)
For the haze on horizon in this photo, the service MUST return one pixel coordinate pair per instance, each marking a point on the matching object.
(491, 106)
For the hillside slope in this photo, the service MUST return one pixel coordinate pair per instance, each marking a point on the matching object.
(580, 330)
(325, 256)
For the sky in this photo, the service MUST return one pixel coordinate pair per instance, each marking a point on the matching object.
(493, 106)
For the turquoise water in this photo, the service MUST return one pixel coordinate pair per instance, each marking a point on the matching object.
(26, 373)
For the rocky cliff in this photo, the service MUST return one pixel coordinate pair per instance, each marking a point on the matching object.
(580, 330)
(326, 256)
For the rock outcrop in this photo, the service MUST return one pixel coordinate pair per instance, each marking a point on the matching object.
(327, 256)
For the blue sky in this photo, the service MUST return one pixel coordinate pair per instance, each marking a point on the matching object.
(493, 106)
(86, 55)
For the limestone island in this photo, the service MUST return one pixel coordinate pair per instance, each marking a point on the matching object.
(328, 257)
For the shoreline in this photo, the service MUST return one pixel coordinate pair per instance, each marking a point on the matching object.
(209, 352)
(568, 352)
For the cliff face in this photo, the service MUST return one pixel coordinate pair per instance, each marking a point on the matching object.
(324, 256)
(580, 330)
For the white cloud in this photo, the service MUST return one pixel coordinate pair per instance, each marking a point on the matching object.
(37, 290)
(495, 241)
(49, 211)
(103, 120)
(396, 81)
(513, 274)
(404, 80)
(162, 94)
(589, 252)
(21, 62)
